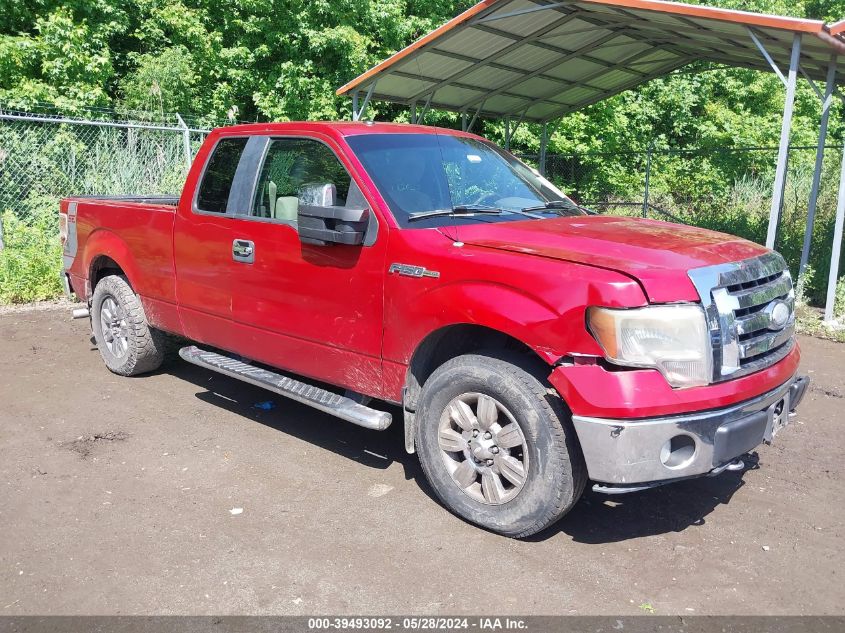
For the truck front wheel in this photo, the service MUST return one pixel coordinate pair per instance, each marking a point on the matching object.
(127, 343)
(496, 444)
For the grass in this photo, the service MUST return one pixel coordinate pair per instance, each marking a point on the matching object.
(32, 260)
(809, 321)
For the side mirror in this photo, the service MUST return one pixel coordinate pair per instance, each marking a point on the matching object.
(331, 225)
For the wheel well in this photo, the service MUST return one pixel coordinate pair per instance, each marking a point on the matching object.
(447, 343)
(441, 346)
(103, 266)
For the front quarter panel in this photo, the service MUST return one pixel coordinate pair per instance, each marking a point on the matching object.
(538, 301)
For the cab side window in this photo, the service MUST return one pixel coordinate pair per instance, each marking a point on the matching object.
(301, 171)
(213, 193)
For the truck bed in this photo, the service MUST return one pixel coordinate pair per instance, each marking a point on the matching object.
(134, 230)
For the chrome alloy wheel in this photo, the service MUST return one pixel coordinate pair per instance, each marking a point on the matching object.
(114, 327)
(483, 448)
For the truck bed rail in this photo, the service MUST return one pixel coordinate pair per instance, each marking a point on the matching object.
(154, 199)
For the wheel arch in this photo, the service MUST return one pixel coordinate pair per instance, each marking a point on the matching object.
(440, 346)
(107, 253)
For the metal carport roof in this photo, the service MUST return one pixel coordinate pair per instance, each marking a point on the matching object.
(540, 59)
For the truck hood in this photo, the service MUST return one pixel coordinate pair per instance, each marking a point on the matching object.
(657, 254)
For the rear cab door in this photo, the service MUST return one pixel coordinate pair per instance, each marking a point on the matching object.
(202, 242)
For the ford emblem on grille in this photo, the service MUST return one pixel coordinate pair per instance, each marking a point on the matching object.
(778, 311)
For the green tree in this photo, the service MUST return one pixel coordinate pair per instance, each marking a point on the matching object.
(160, 82)
(64, 61)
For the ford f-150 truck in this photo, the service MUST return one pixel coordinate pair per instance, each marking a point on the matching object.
(531, 345)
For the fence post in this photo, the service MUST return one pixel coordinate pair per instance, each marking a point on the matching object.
(186, 141)
(647, 176)
(508, 133)
(544, 144)
(1, 233)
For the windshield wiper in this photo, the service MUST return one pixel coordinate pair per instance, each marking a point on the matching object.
(460, 209)
(559, 205)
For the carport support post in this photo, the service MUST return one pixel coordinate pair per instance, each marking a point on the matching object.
(817, 170)
(783, 150)
(837, 245)
(358, 110)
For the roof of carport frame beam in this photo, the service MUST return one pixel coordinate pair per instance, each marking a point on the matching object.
(837, 28)
(540, 59)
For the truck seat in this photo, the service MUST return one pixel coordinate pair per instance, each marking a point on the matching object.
(318, 194)
(286, 208)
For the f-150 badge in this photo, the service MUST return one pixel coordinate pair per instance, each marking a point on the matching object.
(412, 271)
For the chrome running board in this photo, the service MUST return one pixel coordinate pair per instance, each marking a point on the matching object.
(326, 401)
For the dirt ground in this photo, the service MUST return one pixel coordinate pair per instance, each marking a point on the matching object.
(120, 496)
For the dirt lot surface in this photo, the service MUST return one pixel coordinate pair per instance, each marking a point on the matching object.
(121, 496)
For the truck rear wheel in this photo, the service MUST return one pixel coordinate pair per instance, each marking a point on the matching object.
(127, 343)
(496, 444)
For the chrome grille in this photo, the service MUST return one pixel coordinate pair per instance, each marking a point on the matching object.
(741, 303)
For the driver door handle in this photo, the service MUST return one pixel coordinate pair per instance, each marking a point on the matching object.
(243, 251)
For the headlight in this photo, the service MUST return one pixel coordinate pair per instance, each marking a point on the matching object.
(672, 339)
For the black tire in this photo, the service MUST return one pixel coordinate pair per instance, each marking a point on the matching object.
(556, 474)
(145, 347)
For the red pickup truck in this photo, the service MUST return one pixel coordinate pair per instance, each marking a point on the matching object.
(531, 344)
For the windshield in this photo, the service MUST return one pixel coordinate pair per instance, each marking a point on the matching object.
(462, 178)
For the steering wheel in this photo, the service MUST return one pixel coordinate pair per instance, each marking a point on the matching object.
(486, 199)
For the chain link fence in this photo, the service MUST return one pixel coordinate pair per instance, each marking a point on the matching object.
(680, 178)
(728, 189)
(44, 157)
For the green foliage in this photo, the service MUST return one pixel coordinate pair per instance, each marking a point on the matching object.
(805, 280)
(31, 262)
(62, 61)
(742, 209)
(839, 300)
(161, 82)
(810, 320)
(40, 165)
(276, 59)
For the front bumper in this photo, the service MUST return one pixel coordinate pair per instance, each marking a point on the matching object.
(651, 451)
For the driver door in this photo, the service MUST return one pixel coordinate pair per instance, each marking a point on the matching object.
(313, 310)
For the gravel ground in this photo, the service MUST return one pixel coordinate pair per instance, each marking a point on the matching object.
(173, 494)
